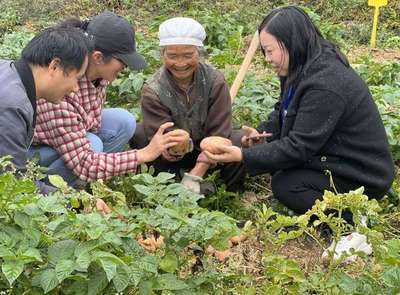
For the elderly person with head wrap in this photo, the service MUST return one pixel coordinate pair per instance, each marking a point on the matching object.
(193, 95)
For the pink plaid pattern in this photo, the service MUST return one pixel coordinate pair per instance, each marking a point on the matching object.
(63, 126)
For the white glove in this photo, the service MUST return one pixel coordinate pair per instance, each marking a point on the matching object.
(192, 182)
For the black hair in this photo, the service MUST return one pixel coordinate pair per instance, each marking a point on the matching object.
(70, 45)
(293, 28)
(83, 24)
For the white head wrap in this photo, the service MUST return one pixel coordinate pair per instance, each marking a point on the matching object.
(181, 31)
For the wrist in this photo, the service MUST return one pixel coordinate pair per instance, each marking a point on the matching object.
(142, 156)
(200, 169)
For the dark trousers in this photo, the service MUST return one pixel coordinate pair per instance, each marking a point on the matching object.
(298, 189)
(232, 174)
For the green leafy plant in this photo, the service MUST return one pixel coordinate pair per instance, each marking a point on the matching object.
(13, 43)
(47, 248)
(377, 73)
(387, 100)
(8, 20)
(255, 100)
(284, 276)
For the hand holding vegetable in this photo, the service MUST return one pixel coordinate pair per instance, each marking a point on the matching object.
(225, 154)
(183, 147)
(160, 142)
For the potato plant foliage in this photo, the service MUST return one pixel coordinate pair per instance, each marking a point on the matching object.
(58, 244)
(49, 246)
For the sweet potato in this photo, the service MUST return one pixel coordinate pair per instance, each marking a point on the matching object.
(151, 244)
(212, 143)
(236, 240)
(222, 255)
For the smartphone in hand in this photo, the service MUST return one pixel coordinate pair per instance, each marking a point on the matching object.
(259, 136)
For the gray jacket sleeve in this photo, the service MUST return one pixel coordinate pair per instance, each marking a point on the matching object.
(14, 135)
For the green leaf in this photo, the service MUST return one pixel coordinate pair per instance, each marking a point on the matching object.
(33, 236)
(148, 264)
(392, 276)
(58, 182)
(135, 274)
(87, 246)
(12, 269)
(61, 250)
(169, 263)
(112, 238)
(109, 256)
(97, 281)
(95, 232)
(83, 261)
(48, 280)
(273, 290)
(5, 252)
(164, 177)
(32, 210)
(169, 282)
(76, 288)
(52, 204)
(109, 267)
(22, 219)
(121, 279)
(145, 288)
(143, 189)
(33, 254)
(64, 268)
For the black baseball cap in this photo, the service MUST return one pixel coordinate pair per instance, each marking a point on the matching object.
(116, 36)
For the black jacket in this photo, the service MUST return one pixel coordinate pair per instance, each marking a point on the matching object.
(332, 123)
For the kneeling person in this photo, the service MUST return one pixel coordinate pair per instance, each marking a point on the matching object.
(193, 95)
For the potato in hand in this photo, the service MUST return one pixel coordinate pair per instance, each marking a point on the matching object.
(184, 146)
(212, 143)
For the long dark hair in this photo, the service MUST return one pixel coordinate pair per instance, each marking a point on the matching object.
(293, 29)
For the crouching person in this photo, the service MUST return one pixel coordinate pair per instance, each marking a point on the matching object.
(49, 67)
(80, 140)
(194, 96)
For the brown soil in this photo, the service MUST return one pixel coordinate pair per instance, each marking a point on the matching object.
(305, 252)
(246, 258)
(375, 53)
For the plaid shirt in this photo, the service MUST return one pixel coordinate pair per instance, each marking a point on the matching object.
(63, 126)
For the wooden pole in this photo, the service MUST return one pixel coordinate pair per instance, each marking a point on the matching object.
(244, 67)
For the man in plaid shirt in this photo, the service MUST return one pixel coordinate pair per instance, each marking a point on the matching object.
(78, 138)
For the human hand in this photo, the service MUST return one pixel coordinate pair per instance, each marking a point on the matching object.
(183, 147)
(226, 154)
(202, 158)
(211, 143)
(159, 143)
(253, 137)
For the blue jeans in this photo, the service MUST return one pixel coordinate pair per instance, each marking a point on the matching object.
(117, 128)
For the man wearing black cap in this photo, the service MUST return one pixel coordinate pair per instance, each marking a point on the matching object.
(80, 139)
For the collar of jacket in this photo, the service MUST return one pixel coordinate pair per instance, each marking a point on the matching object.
(25, 73)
